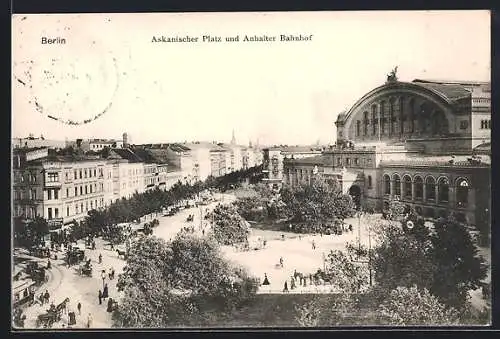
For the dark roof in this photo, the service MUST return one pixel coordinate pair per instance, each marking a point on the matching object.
(296, 149)
(315, 160)
(28, 149)
(127, 154)
(179, 148)
(450, 92)
(145, 156)
(455, 82)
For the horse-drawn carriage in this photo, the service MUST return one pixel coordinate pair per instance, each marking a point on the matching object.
(75, 255)
(40, 252)
(23, 292)
(52, 315)
(85, 269)
(37, 273)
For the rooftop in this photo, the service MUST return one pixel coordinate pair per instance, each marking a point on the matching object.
(314, 160)
(296, 149)
(126, 153)
(446, 90)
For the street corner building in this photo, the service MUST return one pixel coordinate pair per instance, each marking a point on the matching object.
(426, 143)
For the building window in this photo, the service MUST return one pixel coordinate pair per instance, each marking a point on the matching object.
(81, 207)
(370, 183)
(56, 212)
(56, 194)
(81, 190)
(358, 127)
(407, 187)
(33, 178)
(397, 185)
(443, 190)
(387, 184)
(485, 124)
(67, 192)
(419, 188)
(382, 114)
(76, 191)
(356, 161)
(49, 194)
(462, 193)
(52, 177)
(430, 188)
(76, 208)
(80, 174)
(85, 174)
(49, 213)
(75, 174)
(67, 211)
(365, 123)
(339, 161)
(91, 205)
(374, 120)
(86, 205)
(90, 188)
(348, 161)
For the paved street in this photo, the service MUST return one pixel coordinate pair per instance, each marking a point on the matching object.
(65, 282)
(296, 251)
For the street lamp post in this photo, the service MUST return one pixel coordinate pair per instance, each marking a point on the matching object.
(370, 254)
(359, 231)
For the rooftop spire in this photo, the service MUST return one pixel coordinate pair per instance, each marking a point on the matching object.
(233, 139)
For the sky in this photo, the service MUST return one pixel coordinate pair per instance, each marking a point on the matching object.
(110, 72)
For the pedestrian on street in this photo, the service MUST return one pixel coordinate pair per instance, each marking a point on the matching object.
(46, 296)
(266, 281)
(112, 247)
(285, 288)
(281, 262)
(103, 276)
(100, 258)
(49, 266)
(105, 292)
(93, 245)
(292, 283)
(79, 307)
(100, 297)
(110, 305)
(89, 321)
(313, 245)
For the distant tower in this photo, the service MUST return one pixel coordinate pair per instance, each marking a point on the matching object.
(250, 143)
(125, 140)
(233, 139)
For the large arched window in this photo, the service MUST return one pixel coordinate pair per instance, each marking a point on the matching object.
(374, 119)
(443, 190)
(387, 184)
(419, 188)
(397, 185)
(365, 123)
(430, 189)
(412, 115)
(401, 115)
(383, 119)
(462, 192)
(391, 116)
(407, 187)
(423, 118)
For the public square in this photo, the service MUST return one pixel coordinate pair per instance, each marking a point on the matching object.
(297, 253)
